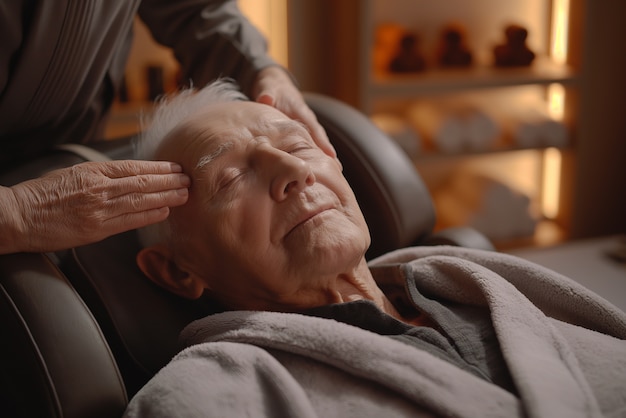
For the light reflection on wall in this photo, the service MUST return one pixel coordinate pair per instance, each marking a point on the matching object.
(270, 17)
(556, 104)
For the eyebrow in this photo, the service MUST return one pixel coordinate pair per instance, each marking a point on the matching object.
(221, 150)
(285, 126)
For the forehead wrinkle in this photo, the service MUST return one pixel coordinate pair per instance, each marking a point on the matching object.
(289, 125)
(283, 127)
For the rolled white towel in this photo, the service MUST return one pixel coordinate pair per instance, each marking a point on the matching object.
(524, 134)
(486, 204)
(442, 130)
(554, 133)
(529, 125)
(481, 130)
(400, 131)
(455, 126)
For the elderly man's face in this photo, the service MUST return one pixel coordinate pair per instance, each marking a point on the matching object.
(270, 219)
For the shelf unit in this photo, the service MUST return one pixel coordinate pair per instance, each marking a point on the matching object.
(355, 77)
(543, 72)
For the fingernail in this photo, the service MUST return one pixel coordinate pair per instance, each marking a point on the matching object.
(182, 192)
(176, 168)
(184, 180)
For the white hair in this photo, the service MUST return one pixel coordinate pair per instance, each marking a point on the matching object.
(169, 113)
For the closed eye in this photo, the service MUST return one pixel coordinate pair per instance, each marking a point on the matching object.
(299, 147)
(229, 178)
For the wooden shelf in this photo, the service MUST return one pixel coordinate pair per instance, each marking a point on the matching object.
(431, 156)
(542, 72)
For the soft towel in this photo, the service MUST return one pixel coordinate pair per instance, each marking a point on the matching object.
(563, 344)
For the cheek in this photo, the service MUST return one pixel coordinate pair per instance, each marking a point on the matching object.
(344, 193)
(242, 223)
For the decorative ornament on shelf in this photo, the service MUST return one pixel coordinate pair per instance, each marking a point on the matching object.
(453, 50)
(408, 58)
(514, 52)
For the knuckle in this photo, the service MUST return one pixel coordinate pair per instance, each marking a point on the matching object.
(136, 202)
(143, 182)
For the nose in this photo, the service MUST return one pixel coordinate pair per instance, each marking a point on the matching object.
(287, 174)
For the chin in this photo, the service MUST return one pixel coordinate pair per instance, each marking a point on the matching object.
(333, 250)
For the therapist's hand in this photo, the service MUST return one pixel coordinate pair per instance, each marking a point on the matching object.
(274, 87)
(87, 203)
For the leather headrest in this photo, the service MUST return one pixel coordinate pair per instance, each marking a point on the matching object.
(141, 320)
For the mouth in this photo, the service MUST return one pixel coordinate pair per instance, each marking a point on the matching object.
(307, 217)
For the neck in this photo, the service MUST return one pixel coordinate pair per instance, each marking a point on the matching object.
(360, 284)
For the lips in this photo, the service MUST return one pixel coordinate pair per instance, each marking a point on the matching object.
(306, 216)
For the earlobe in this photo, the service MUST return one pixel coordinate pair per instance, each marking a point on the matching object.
(158, 264)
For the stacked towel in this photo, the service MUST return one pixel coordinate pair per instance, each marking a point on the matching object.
(490, 206)
(400, 131)
(454, 127)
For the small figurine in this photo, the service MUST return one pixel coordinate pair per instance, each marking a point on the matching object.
(386, 41)
(408, 59)
(453, 52)
(515, 52)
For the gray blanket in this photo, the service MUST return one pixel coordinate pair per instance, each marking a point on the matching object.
(564, 346)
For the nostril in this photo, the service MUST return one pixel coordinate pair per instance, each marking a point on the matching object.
(290, 186)
(310, 179)
(292, 176)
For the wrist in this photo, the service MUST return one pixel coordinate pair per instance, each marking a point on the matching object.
(273, 74)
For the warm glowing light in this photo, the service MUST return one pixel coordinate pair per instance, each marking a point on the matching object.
(551, 180)
(556, 108)
(558, 47)
(270, 17)
(556, 101)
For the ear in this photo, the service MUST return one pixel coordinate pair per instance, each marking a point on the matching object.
(157, 262)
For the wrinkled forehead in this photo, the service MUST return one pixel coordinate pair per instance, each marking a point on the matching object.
(206, 127)
(215, 128)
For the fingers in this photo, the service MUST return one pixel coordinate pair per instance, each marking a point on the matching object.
(266, 99)
(113, 179)
(321, 139)
(141, 202)
(128, 221)
(300, 111)
(126, 168)
(148, 183)
(129, 186)
(274, 87)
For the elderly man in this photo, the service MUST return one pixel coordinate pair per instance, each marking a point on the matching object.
(272, 232)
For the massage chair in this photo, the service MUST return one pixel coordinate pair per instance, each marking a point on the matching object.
(82, 330)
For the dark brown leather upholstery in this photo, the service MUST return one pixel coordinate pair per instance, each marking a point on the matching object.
(57, 359)
(141, 320)
(54, 359)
